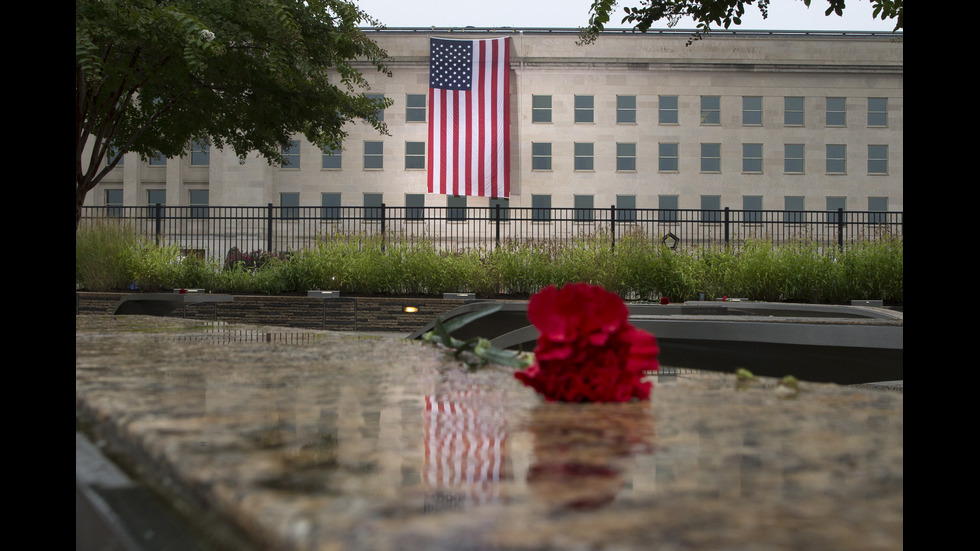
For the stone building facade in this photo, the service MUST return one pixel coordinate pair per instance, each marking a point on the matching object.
(745, 120)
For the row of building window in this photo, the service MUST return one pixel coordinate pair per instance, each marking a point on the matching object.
(794, 157)
(541, 206)
(584, 112)
(584, 207)
(668, 110)
(199, 153)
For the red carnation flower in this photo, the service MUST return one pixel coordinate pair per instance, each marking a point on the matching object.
(587, 350)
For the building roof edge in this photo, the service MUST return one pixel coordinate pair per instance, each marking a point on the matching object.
(651, 32)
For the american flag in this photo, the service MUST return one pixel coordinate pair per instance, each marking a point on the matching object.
(469, 121)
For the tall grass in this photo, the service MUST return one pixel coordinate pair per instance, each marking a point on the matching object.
(111, 257)
(102, 255)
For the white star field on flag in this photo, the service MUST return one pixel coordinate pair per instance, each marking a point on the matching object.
(451, 66)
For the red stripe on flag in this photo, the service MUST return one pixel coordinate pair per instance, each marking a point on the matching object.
(505, 118)
(494, 136)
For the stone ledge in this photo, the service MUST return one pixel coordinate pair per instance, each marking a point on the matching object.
(332, 441)
(331, 313)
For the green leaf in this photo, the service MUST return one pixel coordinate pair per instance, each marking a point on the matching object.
(460, 321)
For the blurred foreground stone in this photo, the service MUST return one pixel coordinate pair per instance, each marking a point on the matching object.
(275, 438)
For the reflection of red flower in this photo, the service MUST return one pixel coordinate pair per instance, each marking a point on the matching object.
(587, 350)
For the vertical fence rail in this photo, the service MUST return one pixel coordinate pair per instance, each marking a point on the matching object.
(216, 231)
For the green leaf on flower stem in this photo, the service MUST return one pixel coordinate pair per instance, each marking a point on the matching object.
(460, 321)
(476, 351)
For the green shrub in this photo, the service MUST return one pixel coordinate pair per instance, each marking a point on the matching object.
(674, 274)
(522, 268)
(587, 259)
(634, 263)
(875, 270)
(102, 255)
(111, 257)
(155, 267)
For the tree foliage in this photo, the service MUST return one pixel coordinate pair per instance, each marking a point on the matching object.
(708, 13)
(151, 76)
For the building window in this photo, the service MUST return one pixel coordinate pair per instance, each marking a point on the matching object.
(626, 109)
(584, 205)
(752, 208)
(877, 111)
(584, 156)
(793, 111)
(879, 208)
(877, 159)
(540, 156)
(793, 158)
(456, 210)
(414, 155)
(836, 111)
(540, 108)
(114, 202)
(667, 206)
(111, 154)
(584, 108)
(504, 208)
(198, 199)
(381, 111)
(668, 109)
(158, 159)
(711, 157)
(414, 206)
(415, 108)
(710, 110)
(752, 158)
(668, 157)
(373, 206)
(289, 206)
(836, 159)
(332, 159)
(330, 203)
(711, 208)
(154, 196)
(834, 203)
(541, 208)
(290, 155)
(626, 157)
(200, 153)
(793, 205)
(751, 110)
(626, 208)
(374, 155)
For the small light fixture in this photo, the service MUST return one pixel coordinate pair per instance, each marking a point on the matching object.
(410, 309)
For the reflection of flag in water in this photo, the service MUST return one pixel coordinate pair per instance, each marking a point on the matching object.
(465, 437)
(469, 117)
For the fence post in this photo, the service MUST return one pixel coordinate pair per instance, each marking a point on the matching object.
(497, 231)
(268, 229)
(383, 217)
(840, 228)
(612, 227)
(158, 222)
(727, 220)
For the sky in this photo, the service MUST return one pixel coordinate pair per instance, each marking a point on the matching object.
(784, 15)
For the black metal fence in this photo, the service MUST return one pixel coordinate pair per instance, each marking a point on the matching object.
(213, 231)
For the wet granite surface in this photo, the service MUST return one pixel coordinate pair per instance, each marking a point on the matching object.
(297, 439)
